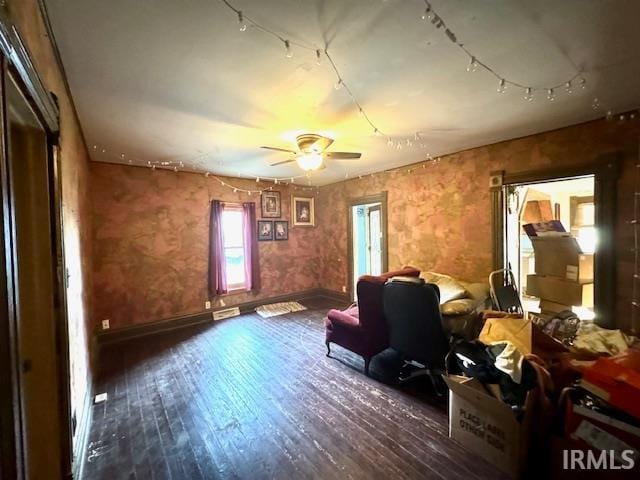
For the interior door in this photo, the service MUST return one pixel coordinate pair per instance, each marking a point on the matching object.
(375, 239)
(30, 259)
(366, 239)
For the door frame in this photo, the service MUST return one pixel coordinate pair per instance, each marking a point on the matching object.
(376, 207)
(380, 198)
(605, 170)
(14, 59)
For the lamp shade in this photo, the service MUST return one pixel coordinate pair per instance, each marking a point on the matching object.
(309, 161)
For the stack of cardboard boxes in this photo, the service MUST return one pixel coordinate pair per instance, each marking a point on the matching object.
(564, 275)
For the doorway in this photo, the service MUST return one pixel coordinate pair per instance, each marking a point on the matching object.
(35, 426)
(367, 238)
(570, 203)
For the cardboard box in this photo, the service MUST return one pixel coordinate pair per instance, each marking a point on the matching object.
(562, 257)
(527, 337)
(552, 307)
(487, 426)
(536, 211)
(560, 290)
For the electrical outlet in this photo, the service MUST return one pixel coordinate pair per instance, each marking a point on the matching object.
(207, 305)
(344, 289)
(105, 324)
(101, 397)
(222, 304)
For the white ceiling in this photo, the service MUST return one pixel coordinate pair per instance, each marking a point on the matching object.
(176, 80)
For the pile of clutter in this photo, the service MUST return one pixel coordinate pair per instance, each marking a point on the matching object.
(523, 393)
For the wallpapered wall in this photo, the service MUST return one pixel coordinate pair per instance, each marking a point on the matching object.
(151, 227)
(439, 217)
(75, 185)
(151, 243)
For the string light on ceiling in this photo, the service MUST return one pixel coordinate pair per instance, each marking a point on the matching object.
(474, 63)
(178, 165)
(610, 115)
(340, 84)
(577, 81)
(429, 15)
(528, 96)
(319, 53)
(243, 24)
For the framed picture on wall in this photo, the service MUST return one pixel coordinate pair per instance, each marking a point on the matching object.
(281, 230)
(270, 205)
(303, 211)
(265, 230)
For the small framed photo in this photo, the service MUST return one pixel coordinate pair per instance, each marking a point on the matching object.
(265, 230)
(281, 230)
(303, 211)
(270, 205)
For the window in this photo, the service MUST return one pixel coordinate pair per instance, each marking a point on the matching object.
(233, 241)
(583, 223)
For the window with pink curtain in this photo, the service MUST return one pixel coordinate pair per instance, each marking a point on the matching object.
(233, 263)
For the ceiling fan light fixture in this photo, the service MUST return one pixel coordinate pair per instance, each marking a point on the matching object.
(309, 161)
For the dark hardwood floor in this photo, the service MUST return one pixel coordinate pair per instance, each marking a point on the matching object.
(255, 398)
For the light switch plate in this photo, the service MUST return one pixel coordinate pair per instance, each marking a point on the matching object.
(101, 397)
(105, 324)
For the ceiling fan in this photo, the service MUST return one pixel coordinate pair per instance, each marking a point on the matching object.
(311, 152)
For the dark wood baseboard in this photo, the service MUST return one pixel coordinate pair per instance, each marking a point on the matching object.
(81, 436)
(167, 324)
(333, 295)
(151, 328)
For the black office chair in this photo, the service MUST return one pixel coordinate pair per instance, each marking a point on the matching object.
(412, 312)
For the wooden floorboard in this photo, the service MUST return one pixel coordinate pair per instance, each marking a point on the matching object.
(254, 398)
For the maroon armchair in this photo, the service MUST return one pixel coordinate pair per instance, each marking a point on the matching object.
(362, 328)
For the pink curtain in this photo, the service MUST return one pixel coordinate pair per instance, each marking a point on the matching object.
(217, 274)
(251, 264)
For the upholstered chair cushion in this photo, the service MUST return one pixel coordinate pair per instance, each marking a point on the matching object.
(450, 288)
(343, 319)
(461, 306)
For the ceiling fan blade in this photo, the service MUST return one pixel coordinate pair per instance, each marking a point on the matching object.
(283, 162)
(277, 149)
(342, 155)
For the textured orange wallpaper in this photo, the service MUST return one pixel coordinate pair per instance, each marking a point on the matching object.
(439, 217)
(151, 243)
(151, 227)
